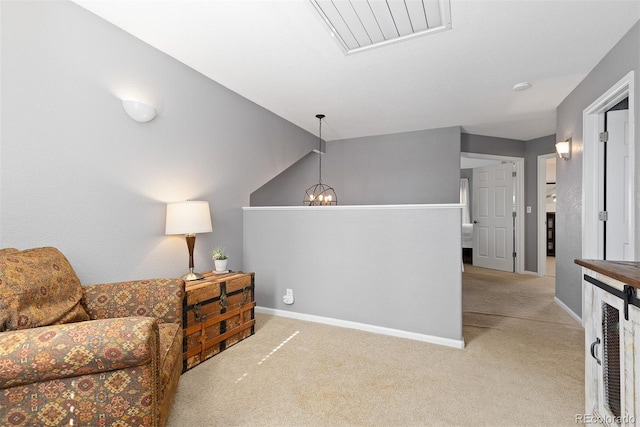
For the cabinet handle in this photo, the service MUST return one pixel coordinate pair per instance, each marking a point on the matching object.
(593, 350)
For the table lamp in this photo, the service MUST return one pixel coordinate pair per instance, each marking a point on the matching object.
(189, 218)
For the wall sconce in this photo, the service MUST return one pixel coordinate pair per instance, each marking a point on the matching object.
(138, 111)
(563, 148)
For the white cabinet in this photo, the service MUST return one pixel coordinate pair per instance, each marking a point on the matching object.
(612, 364)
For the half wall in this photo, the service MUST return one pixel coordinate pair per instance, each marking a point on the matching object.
(393, 269)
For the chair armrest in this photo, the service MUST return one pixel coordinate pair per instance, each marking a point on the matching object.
(159, 298)
(73, 349)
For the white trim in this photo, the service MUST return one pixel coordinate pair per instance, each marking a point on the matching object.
(532, 273)
(363, 327)
(542, 212)
(593, 124)
(520, 213)
(352, 207)
(569, 311)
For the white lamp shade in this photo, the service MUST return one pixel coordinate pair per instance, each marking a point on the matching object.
(138, 111)
(189, 217)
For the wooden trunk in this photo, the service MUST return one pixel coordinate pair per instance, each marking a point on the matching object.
(218, 312)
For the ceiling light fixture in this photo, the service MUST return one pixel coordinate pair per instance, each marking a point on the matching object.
(518, 87)
(320, 194)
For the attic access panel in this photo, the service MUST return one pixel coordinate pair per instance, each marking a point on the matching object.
(364, 24)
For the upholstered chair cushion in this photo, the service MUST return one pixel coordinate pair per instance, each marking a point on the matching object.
(38, 287)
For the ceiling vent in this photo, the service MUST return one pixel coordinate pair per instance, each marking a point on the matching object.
(364, 24)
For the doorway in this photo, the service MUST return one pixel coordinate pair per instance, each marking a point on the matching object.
(593, 181)
(546, 204)
(518, 200)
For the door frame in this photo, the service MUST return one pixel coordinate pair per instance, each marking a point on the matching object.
(519, 187)
(592, 125)
(542, 212)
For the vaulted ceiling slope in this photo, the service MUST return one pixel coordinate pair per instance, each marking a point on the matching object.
(280, 55)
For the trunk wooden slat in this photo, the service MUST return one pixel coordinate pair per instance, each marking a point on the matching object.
(218, 312)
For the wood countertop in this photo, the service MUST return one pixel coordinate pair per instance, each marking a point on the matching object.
(625, 271)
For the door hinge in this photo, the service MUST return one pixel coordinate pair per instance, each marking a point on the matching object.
(603, 216)
(513, 173)
(513, 214)
(515, 254)
(604, 136)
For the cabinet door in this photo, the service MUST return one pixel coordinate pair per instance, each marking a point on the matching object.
(592, 334)
(632, 337)
(607, 352)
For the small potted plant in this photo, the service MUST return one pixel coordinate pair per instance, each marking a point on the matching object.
(220, 259)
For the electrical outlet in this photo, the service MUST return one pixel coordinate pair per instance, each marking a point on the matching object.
(288, 298)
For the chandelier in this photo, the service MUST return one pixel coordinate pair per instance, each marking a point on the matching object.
(320, 194)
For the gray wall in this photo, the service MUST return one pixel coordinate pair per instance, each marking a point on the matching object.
(624, 57)
(77, 173)
(373, 265)
(409, 167)
(481, 144)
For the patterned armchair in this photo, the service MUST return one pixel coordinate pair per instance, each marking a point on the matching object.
(75, 355)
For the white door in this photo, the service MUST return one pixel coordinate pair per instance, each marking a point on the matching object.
(493, 207)
(617, 187)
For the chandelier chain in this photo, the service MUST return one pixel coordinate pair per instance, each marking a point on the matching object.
(320, 152)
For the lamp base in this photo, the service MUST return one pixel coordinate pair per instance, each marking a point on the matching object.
(192, 276)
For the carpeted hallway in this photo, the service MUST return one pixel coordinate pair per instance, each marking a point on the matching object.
(522, 366)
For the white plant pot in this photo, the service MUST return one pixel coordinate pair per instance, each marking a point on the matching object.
(221, 264)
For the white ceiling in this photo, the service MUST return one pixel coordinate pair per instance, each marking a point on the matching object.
(280, 55)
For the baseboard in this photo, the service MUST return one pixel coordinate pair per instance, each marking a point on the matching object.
(363, 327)
(533, 273)
(568, 310)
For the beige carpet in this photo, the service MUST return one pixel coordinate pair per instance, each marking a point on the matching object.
(551, 266)
(522, 366)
